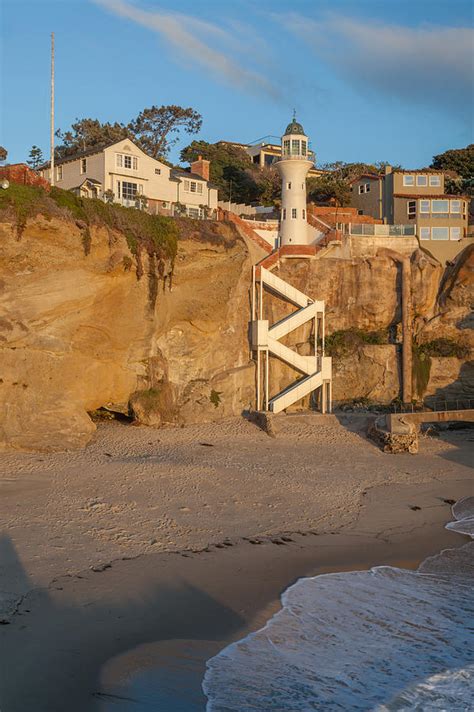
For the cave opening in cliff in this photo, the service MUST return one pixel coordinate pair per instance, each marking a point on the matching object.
(110, 412)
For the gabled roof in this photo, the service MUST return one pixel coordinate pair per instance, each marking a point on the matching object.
(96, 149)
(81, 154)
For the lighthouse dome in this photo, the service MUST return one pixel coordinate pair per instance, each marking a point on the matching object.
(294, 128)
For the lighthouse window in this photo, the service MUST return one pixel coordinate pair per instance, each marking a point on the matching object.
(284, 213)
(295, 147)
(289, 186)
(303, 148)
(304, 214)
(293, 212)
(286, 147)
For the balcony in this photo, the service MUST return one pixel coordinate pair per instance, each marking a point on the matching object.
(368, 230)
(297, 156)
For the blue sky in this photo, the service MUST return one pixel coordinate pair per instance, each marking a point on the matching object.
(370, 79)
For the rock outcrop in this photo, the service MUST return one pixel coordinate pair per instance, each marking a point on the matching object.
(79, 330)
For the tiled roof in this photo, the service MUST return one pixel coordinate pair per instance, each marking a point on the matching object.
(417, 170)
(373, 176)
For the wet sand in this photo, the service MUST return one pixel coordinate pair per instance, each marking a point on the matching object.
(135, 632)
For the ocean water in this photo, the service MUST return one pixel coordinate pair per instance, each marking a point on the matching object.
(386, 639)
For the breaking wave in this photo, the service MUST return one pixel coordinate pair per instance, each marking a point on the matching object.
(386, 639)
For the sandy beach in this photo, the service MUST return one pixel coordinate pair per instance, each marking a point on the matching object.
(143, 555)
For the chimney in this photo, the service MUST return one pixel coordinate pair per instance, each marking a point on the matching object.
(387, 169)
(201, 167)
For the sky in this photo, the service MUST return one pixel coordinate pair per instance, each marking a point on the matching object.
(370, 80)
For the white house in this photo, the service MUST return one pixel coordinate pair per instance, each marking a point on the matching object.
(126, 171)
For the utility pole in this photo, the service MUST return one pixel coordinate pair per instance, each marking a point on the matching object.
(52, 109)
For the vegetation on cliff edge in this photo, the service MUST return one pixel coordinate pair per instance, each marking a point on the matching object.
(153, 235)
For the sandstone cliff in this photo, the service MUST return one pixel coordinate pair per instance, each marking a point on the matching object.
(79, 330)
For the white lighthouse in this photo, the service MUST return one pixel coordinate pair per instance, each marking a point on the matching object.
(293, 168)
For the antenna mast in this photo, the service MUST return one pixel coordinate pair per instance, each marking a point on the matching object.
(52, 110)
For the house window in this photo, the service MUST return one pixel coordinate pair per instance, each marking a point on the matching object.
(455, 233)
(425, 233)
(288, 185)
(157, 171)
(59, 173)
(422, 181)
(455, 206)
(83, 165)
(192, 186)
(411, 208)
(408, 180)
(440, 233)
(129, 190)
(435, 181)
(440, 206)
(194, 212)
(295, 147)
(424, 206)
(286, 147)
(361, 189)
(125, 161)
(367, 187)
(293, 212)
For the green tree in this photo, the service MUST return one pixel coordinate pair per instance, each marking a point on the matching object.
(459, 160)
(329, 188)
(3, 153)
(231, 170)
(35, 157)
(88, 133)
(156, 129)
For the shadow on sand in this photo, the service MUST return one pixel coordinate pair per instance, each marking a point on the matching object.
(59, 638)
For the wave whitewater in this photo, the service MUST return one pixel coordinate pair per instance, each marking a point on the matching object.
(386, 639)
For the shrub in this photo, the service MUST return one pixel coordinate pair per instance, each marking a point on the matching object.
(344, 342)
(215, 397)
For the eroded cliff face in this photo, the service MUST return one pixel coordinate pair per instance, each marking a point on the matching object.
(79, 331)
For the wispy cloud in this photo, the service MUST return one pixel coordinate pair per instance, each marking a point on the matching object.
(426, 65)
(207, 44)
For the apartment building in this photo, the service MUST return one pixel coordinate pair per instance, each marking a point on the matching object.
(416, 197)
(124, 172)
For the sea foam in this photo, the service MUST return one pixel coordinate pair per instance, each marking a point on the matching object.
(386, 639)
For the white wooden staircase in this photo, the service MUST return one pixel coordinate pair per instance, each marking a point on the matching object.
(315, 369)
